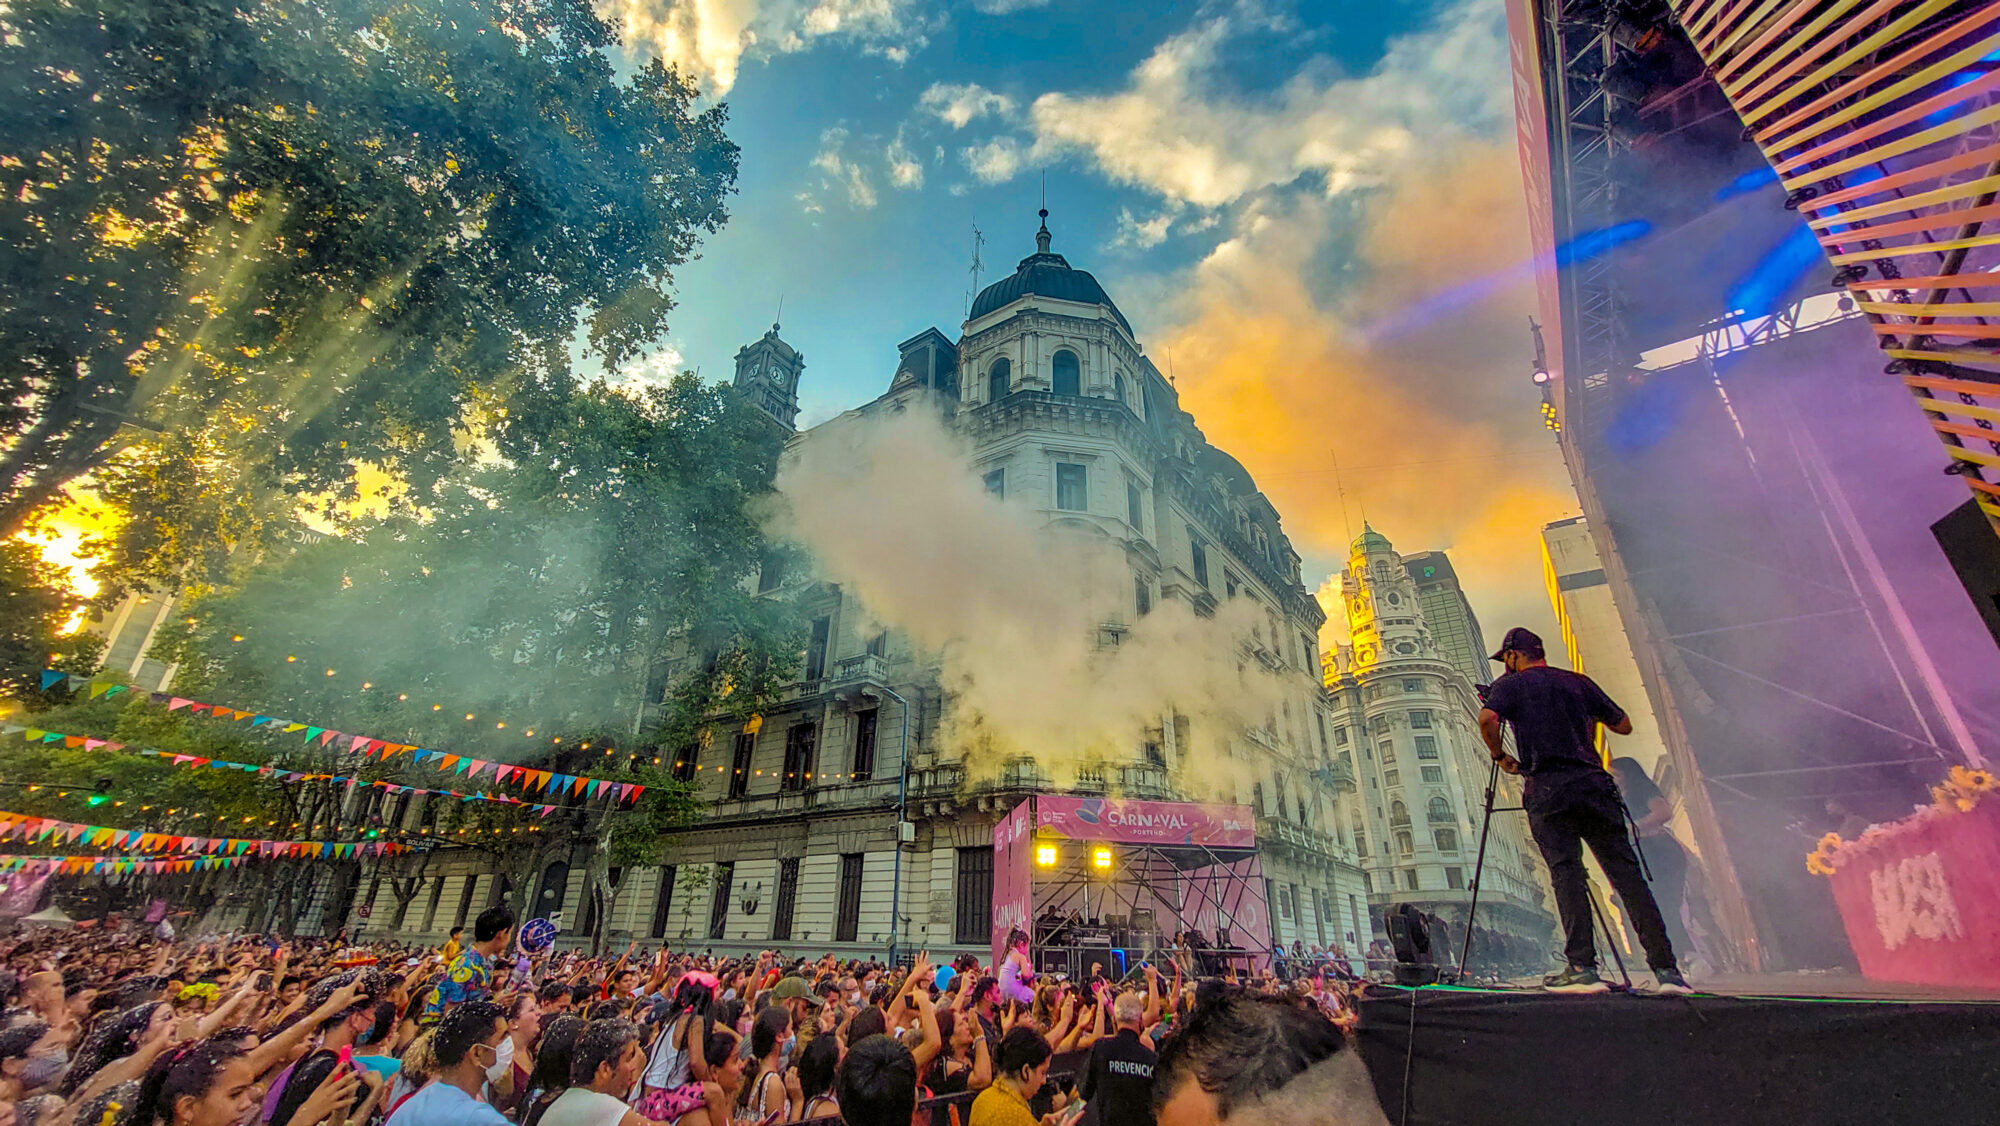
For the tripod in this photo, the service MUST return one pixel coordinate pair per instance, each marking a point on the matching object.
(1479, 872)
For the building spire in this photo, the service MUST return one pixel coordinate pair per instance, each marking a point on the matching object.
(1042, 236)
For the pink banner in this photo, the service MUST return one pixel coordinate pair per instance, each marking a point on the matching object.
(1923, 906)
(1145, 822)
(1013, 875)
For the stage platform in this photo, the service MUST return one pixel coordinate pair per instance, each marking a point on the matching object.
(1444, 1056)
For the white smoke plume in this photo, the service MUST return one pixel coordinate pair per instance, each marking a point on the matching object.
(1014, 611)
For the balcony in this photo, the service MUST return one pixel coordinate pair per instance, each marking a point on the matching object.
(1277, 830)
(868, 668)
(1337, 776)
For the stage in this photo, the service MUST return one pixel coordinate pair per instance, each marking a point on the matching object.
(1476, 1056)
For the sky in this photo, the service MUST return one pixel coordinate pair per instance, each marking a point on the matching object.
(1310, 211)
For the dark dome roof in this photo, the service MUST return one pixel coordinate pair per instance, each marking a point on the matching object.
(1044, 274)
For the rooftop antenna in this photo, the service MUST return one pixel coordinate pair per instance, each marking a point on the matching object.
(781, 313)
(1170, 368)
(1346, 525)
(978, 240)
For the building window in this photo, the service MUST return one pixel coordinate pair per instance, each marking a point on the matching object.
(1339, 735)
(996, 483)
(1155, 755)
(1072, 494)
(1409, 879)
(1399, 814)
(1284, 903)
(1228, 584)
(1143, 596)
(1135, 512)
(1367, 883)
(1421, 718)
(973, 924)
(1406, 844)
(878, 646)
(1392, 778)
(1438, 810)
(718, 907)
(1388, 752)
(1371, 783)
(1361, 843)
(822, 629)
(864, 745)
(1379, 724)
(1427, 746)
(1306, 653)
(771, 573)
(1068, 374)
(664, 905)
(1410, 685)
(685, 763)
(1434, 775)
(788, 898)
(847, 920)
(999, 379)
(739, 767)
(1454, 878)
(1118, 385)
(1200, 553)
(1447, 839)
(800, 742)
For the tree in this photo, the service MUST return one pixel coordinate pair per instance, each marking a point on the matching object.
(257, 245)
(35, 606)
(692, 880)
(640, 837)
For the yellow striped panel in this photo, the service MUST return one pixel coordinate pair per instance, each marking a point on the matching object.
(1899, 146)
(1915, 81)
(1907, 203)
(1886, 34)
(1941, 309)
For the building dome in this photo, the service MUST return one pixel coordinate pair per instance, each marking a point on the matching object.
(1043, 274)
(1372, 540)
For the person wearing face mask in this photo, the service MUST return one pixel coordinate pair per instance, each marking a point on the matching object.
(508, 1077)
(466, 1043)
(775, 1090)
(366, 1022)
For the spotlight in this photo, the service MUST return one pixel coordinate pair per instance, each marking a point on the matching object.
(1045, 856)
(1100, 858)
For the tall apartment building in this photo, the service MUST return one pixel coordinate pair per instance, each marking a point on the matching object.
(1454, 627)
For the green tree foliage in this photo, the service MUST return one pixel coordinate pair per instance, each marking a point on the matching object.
(593, 579)
(35, 604)
(253, 245)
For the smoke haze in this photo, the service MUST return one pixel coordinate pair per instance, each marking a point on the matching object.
(1012, 610)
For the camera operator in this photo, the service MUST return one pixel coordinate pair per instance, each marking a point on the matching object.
(1572, 801)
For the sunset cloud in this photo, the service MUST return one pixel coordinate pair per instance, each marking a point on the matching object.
(709, 39)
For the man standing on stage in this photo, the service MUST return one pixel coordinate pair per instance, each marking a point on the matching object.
(1572, 801)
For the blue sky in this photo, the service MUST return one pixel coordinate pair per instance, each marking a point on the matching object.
(1254, 182)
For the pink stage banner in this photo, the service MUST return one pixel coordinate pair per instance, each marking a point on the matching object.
(1923, 905)
(1013, 875)
(1147, 822)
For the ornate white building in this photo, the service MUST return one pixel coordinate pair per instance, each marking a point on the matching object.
(1065, 414)
(1406, 721)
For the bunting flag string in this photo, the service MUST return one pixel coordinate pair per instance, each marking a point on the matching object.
(114, 865)
(34, 830)
(548, 782)
(279, 773)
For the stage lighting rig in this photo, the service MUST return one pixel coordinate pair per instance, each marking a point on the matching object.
(1045, 856)
(1100, 858)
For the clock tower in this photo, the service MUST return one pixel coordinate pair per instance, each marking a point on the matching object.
(767, 376)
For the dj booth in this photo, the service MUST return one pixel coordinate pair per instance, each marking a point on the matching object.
(1117, 883)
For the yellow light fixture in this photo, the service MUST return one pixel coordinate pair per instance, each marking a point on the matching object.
(1100, 858)
(1045, 855)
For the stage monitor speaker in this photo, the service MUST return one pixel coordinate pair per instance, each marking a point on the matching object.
(1969, 543)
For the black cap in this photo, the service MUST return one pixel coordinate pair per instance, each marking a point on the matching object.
(1521, 640)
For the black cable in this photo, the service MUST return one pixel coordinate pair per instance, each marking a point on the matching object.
(1409, 1059)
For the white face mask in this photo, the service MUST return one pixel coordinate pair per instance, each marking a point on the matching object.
(503, 1059)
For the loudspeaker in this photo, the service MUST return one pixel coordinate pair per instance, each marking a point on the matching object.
(1972, 547)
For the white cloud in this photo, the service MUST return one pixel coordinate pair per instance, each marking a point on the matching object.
(960, 105)
(842, 173)
(996, 161)
(1175, 129)
(709, 39)
(1142, 233)
(905, 171)
(809, 203)
(654, 368)
(1007, 7)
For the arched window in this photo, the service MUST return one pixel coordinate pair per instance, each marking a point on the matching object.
(1447, 839)
(1405, 843)
(1068, 375)
(555, 889)
(1118, 385)
(1399, 814)
(999, 380)
(1438, 810)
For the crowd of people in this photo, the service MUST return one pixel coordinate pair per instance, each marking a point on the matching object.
(135, 1030)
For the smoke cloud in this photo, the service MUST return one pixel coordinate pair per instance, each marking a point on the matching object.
(1015, 611)
(1430, 432)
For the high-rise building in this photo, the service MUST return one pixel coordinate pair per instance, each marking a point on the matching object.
(1406, 721)
(1454, 627)
(1593, 638)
